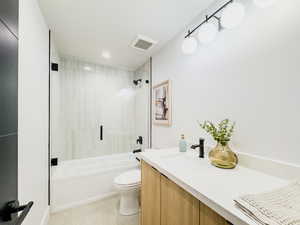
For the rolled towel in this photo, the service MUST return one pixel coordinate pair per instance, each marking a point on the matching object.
(278, 207)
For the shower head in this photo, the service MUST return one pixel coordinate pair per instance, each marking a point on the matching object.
(137, 82)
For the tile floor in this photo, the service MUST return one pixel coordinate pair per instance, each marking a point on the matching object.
(104, 212)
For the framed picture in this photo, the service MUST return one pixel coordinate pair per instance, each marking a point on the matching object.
(162, 110)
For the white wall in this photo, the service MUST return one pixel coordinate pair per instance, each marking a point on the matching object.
(249, 74)
(33, 110)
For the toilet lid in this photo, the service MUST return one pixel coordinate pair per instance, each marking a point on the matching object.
(129, 178)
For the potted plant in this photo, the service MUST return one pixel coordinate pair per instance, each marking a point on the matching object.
(221, 156)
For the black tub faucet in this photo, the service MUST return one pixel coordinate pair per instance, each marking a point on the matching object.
(200, 146)
(139, 140)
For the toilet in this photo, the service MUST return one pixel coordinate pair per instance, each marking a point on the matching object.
(128, 184)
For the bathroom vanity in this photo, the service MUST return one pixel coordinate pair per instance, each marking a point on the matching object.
(181, 189)
(165, 203)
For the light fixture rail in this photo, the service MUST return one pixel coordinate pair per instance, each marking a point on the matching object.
(190, 32)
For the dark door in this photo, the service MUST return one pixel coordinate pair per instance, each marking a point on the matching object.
(9, 110)
(9, 115)
(9, 11)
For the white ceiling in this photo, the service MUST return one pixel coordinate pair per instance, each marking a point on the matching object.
(84, 28)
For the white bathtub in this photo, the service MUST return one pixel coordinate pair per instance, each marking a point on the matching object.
(83, 181)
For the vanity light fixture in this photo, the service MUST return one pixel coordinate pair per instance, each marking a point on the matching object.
(233, 15)
(190, 32)
(189, 45)
(207, 32)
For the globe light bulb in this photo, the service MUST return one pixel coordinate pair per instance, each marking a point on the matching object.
(189, 45)
(207, 33)
(233, 15)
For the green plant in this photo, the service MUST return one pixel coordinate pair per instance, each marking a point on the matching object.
(221, 132)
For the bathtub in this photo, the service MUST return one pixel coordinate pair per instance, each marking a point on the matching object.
(83, 181)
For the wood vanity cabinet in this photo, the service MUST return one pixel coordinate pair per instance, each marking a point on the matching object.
(177, 206)
(165, 203)
(210, 217)
(150, 195)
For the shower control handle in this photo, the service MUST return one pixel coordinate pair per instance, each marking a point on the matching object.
(101, 132)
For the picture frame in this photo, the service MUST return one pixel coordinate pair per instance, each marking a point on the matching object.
(162, 104)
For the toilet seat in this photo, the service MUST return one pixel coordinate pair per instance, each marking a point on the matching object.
(129, 179)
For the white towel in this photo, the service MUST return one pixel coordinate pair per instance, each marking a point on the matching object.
(278, 207)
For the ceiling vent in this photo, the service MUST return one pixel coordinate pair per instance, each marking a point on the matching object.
(143, 43)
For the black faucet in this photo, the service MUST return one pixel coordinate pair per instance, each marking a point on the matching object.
(200, 146)
(137, 150)
(139, 140)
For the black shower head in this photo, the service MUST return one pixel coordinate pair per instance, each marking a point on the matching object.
(136, 82)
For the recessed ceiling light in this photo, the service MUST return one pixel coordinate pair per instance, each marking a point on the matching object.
(106, 54)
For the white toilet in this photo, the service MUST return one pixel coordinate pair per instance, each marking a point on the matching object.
(129, 184)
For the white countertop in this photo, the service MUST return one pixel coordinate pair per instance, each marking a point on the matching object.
(217, 188)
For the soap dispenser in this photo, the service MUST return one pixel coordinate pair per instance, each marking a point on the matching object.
(182, 144)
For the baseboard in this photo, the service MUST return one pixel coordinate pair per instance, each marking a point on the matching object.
(55, 209)
(46, 216)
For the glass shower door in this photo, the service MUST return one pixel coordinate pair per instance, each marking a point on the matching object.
(97, 110)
